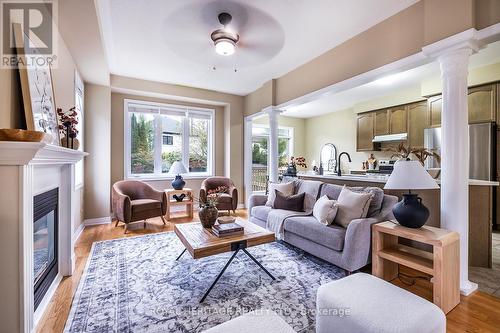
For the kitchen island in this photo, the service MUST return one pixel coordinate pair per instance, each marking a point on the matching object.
(480, 208)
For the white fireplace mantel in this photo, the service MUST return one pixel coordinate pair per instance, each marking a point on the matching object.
(24, 153)
(28, 169)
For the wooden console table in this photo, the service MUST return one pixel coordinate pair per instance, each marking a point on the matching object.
(187, 202)
(443, 264)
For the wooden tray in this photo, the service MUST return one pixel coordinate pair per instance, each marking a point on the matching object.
(14, 134)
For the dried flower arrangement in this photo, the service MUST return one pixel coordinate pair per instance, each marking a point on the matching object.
(297, 161)
(67, 125)
(402, 151)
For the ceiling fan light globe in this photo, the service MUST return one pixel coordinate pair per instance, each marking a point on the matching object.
(224, 47)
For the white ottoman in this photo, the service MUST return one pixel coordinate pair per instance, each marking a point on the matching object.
(364, 303)
(254, 322)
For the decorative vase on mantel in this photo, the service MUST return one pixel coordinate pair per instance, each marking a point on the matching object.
(208, 215)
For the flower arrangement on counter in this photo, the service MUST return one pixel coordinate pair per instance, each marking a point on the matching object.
(67, 126)
(294, 163)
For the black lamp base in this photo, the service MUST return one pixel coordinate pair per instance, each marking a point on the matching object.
(178, 183)
(410, 212)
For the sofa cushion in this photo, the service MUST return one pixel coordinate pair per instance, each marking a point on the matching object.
(351, 206)
(260, 212)
(308, 227)
(292, 202)
(224, 198)
(377, 199)
(325, 210)
(333, 192)
(285, 188)
(141, 205)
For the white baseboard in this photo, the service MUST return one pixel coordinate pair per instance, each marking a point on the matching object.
(97, 221)
(78, 232)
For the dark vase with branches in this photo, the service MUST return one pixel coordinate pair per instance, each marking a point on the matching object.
(208, 212)
(67, 126)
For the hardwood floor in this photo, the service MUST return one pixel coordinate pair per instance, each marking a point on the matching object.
(479, 312)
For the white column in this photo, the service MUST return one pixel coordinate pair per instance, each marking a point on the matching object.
(455, 155)
(273, 144)
(248, 157)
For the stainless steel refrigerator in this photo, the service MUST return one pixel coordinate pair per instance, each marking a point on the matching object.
(482, 149)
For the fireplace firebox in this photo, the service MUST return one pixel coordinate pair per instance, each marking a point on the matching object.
(45, 239)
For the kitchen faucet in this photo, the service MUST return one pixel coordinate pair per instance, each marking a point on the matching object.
(339, 169)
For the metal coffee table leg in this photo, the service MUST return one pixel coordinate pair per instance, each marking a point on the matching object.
(180, 255)
(220, 274)
(259, 264)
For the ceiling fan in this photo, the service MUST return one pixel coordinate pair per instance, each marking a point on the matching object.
(224, 39)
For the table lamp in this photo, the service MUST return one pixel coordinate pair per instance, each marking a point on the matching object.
(410, 175)
(177, 169)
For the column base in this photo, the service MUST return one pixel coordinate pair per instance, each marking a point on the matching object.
(467, 287)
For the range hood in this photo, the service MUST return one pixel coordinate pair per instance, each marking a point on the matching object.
(390, 137)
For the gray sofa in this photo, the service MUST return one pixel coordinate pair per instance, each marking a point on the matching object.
(348, 248)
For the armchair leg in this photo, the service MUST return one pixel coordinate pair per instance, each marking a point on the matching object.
(116, 223)
(144, 224)
(163, 219)
(126, 228)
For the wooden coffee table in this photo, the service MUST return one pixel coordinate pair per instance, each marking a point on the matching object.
(201, 242)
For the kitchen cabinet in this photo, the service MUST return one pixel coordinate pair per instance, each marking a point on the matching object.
(418, 120)
(435, 105)
(482, 103)
(381, 122)
(365, 131)
(397, 120)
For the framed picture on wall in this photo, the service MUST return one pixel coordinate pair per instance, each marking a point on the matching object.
(38, 95)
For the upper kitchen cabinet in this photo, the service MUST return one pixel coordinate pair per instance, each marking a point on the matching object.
(418, 120)
(365, 131)
(397, 120)
(381, 122)
(435, 105)
(482, 104)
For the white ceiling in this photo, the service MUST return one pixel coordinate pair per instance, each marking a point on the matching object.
(169, 40)
(404, 81)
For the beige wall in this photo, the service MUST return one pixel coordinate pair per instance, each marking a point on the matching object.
(98, 145)
(338, 128)
(260, 98)
(117, 137)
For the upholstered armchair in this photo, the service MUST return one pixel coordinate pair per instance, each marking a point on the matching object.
(134, 200)
(227, 201)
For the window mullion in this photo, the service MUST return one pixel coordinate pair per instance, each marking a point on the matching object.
(185, 141)
(157, 145)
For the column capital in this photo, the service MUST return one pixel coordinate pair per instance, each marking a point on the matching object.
(455, 62)
(467, 39)
(272, 110)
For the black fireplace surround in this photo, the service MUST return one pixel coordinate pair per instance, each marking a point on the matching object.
(45, 242)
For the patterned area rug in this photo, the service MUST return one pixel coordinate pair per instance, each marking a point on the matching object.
(135, 285)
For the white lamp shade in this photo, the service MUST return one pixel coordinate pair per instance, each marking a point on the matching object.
(410, 175)
(177, 168)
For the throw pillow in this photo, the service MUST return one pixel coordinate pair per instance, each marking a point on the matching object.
(325, 210)
(286, 188)
(351, 206)
(292, 202)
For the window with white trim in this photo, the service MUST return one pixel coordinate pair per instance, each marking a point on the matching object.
(157, 135)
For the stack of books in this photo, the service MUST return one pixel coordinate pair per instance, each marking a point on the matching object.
(227, 230)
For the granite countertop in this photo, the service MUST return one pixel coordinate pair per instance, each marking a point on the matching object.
(380, 178)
